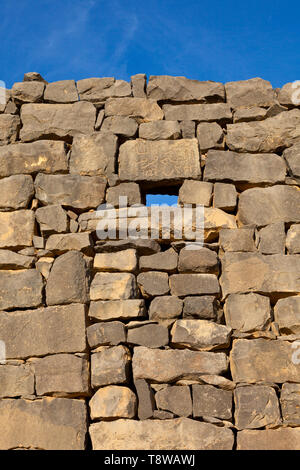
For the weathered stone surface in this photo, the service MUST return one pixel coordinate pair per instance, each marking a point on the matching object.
(125, 260)
(98, 90)
(272, 239)
(9, 128)
(270, 135)
(263, 206)
(61, 375)
(287, 315)
(166, 87)
(113, 286)
(60, 120)
(244, 168)
(153, 283)
(214, 220)
(170, 434)
(162, 160)
(144, 247)
(150, 364)
(63, 91)
(293, 239)
(52, 219)
(193, 284)
(68, 280)
(165, 261)
(211, 401)
(200, 334)
(151, 336)
(165, 307)
(45, 155)
(120, 125)
(11, 260)
(16, 229)
(81, 192)
(142, 110)
(254, 113)
(202, 260)
(269, 439)
(290, 404)
(292, 157)
(195, 192)
(59, 244)
(49, 330)
(241, 239)
(33, 76)
(146, 401)
(225, 196)
(50, 424)
(285, 94)
(44, 265)
(113, 402)
(250, 361)
(210, 135)
(16, 381)
(247, 312)
(176, 399)
(20, 289)
(28, 92)
(200, 307)
(253, 272)
(256, 406)
(16, 192)
(159, 130)
(219, 112)
(129, 190)
(188, 129)
(94, 155)
(106, 334)
(253, 92)
(138, 85)
(117, 309)
(110, 366)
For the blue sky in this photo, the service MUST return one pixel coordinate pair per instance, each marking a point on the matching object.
(216, 40)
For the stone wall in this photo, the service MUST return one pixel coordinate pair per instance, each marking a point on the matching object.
(145, 344)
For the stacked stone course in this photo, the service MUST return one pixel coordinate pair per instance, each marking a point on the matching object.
(145, 344)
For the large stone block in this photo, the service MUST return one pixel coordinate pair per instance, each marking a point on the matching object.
(120, 125)
(270, 135)
(166, 87)
(287, 315)
(150, 335)
(253, 92)
(46, 156)
(176, 399)
(20, 289)
(165, 261)
(195, 192)
(202, 260)
(63, 91)
(247, 312)
(94, 155)
(194, 284)
(81, 192)
(63, 121)
(219, 112)
(153, 283)
(269, 439)
(60, 243)
(130, 309)
(52, 219)
(240, 239)
(200, 334)
(263, 206)
(210, 135)
(16, 192)
(16, 380)
(98, 90)
(113, 402)
(110, 366)
(211, 401)
(150, 364)
(253, 272)
(165, 307)
(246, 168)
(16, 229)
(292, 157)
(170, 434)
(113, 286)
(263, 360)
(49, 424)
(9, 128)
(159, 130)
(157, 161)
(11, 260)
(293, 239)
(28, 92)
(61, 375)
(200, 307)
(106, 334)
(290, 404)
(43, 331)
(141, 109)
(125, 260)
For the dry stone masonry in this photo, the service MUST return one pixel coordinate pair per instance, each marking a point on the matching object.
(143, 343)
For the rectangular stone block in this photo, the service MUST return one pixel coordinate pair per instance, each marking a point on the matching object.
(165, 87)
(212, 401)
(269, 439)
(43, 331)
(194, 284)
(110, 366)
(20, 289)
(117, 309)
(143, 110)
(219, 112)
(16, 229)
(16, 380)
(157, 161)
(113, 286)
(125, 260)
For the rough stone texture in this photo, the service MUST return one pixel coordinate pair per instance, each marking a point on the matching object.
(250, 361)
(269, 439)
(199, 334)
(141, 109)
(165, 307)
(98, 90)
(247, 312)
(113, 402)
(110, 366)
(254, 113)
(237, 239)
(117, 309)
(146, 401)
(81, 192)
(153, 283)
(129, 190)
(211, 401)
(169, 88)
(126, 260)
(49, 424)
(16, 381)
(49, 330)
(16, 192)
(143, 160)
(61, 375)
(60, 120)
(200, 307)
(159, 130)
(287, 315)
(219, 112)
(9, 128)
(253, 272)
(113, 286)
(149, 364)
(188, 129)
(292, 157)
(198, 261)
(11, 260)
(272, 239)
(176, 399)
(293, 239)
(255, 407)
(181, 433)
(25, 158)
(210, 135)
(290, 404)
(225, 196)
(138, 85)
(106, 334)
(194, 284)
(151, 336)
(60, 243)
(16, 229)
(63, 91)
(52, 219)
(20, 289)
(195, 192)
(253, 92)
(165, 261)
(28, 92)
